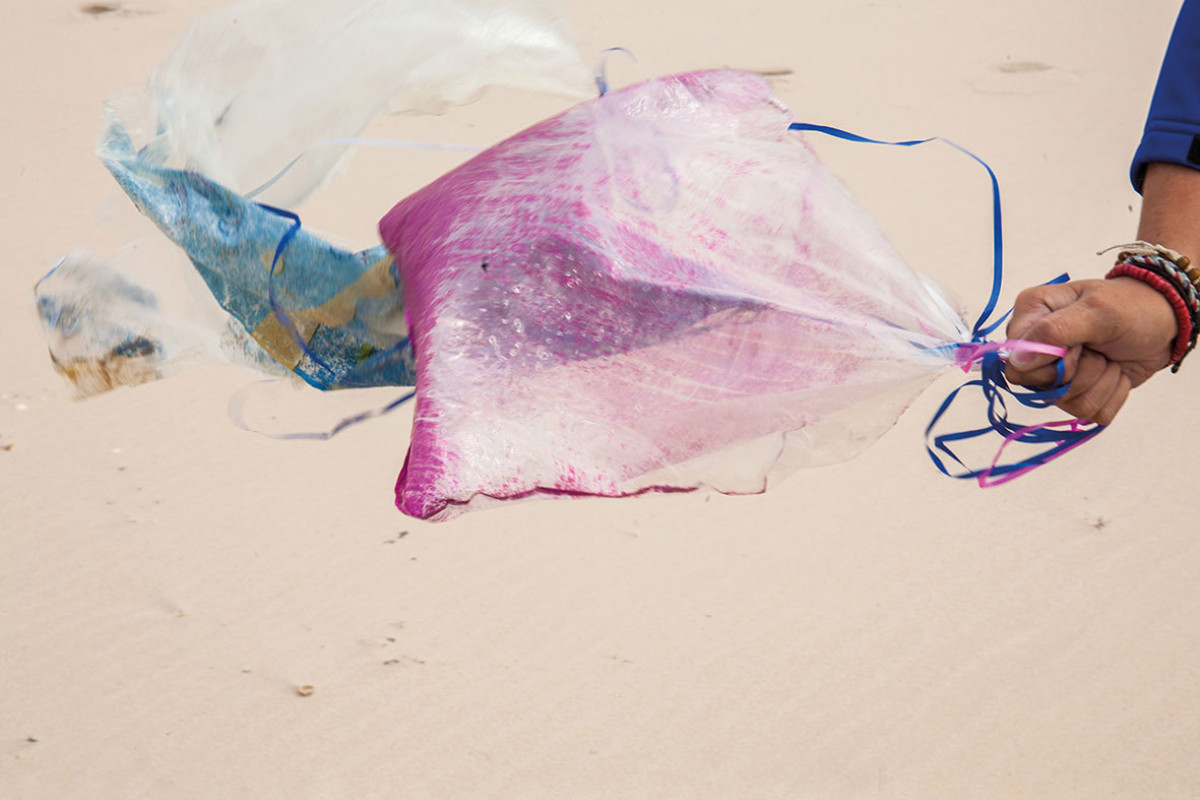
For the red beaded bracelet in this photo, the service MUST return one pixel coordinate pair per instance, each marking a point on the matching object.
(1183, 342)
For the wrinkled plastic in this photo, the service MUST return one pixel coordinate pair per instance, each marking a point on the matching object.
(661, 289)
(251, 86)
(245, 90)
(106, 329)
(658, 290)
(333, 317)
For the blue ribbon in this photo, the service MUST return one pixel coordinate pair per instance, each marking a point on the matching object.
(991, 382)
(995, 388)
(982, 328)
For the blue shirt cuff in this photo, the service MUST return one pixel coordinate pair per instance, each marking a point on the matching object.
(1169, 143)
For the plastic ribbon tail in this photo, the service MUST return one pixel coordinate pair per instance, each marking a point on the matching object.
(601, 77)
(1055, 439)
(237, 405)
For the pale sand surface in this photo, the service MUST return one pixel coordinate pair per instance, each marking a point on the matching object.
(870, 629)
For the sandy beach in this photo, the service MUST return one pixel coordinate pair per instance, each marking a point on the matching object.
(188, 610)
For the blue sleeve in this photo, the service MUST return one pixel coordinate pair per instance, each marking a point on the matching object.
(1172, 132)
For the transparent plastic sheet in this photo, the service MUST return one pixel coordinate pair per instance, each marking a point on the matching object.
(249, 86)
(106, 328)
(244, 91)
(661, 289)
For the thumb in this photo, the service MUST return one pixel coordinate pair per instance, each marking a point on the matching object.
(1024, 359)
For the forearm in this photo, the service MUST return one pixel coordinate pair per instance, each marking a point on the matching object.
(1171, 209)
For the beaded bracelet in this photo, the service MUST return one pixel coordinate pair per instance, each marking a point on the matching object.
(1173, 276)
(1186, 339)
(1169, 270)
(1140, 248)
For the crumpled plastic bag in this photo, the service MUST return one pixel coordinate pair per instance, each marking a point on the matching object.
(245, 91)
(661, 289)
(106, 329)
(333, 317)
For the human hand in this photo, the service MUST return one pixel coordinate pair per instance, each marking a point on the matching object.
(1117, 333)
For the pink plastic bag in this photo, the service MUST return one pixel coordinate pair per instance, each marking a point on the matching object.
(658, 290)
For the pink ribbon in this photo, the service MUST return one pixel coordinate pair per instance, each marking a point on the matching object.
(971, 353)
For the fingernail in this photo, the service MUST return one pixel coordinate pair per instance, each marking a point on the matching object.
(1022, 358)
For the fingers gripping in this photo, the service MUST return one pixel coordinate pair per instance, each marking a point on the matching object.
(1060, 315)
(1097, 391)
